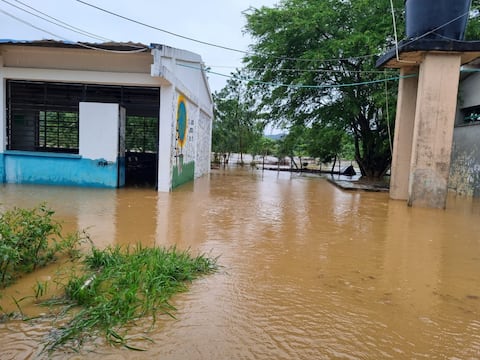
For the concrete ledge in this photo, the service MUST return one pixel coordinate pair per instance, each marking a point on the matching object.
(411, 51)
(357, 184)
(42, 154)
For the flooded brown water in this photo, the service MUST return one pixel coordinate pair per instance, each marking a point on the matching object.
(309, 271)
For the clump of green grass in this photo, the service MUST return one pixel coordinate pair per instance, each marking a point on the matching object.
(119, 286)
(31, 238)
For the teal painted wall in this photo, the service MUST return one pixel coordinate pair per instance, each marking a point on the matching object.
(121, 171)
(2, 168)
(23, 167)
(186, 175)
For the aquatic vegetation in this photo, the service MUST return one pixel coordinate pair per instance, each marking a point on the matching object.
(118, 286)
(31, 238)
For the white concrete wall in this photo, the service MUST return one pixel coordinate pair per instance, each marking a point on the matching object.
(184, 71)
(203, 144)
(468, 93)
(77, 65)
(166, 138)
(75, 59)
(174, 70)
(99, 131)
(464, 176)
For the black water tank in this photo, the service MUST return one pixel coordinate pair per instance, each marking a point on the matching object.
(445, 18)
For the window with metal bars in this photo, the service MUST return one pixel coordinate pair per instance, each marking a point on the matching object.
(58, 130)
(44, 116)
(141, 134)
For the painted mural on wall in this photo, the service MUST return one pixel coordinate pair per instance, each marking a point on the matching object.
(184, 167)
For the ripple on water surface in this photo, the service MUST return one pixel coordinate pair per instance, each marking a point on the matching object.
(308, 271)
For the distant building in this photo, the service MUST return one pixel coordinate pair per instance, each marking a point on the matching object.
(102, 115)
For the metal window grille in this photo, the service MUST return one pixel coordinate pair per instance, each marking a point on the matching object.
(44, 116)
(141, 134)
(58, 130)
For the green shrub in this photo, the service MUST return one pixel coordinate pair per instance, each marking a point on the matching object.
(118, 286)
(31, 238)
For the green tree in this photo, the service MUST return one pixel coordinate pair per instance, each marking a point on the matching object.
(325, 142)
(256, 140)
(473, 26)
(223, 141)
(236, 126)
(314, 62)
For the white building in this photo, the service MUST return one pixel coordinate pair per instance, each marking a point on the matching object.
(102, 115)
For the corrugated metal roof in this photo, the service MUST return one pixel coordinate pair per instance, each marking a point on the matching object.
(118, 46)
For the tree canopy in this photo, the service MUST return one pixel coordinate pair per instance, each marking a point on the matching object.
(311, 70)
(314, 63)
(236, 127)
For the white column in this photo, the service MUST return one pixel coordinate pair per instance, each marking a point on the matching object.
(433, 129)
(99, 131)
(166, 129)
(402, 144)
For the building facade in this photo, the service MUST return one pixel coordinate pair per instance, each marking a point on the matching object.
(103, 115)
(464, 176)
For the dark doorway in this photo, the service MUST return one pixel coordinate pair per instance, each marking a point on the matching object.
(141, 155)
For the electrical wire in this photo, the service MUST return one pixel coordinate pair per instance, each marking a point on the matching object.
(390, 142)
(253, 53)
(241, 51)
(301, 86)
(72, 42)
(212, 44)
(159, 29)
(304, 70)
(436, 29)
(208, 70)
(55, 21)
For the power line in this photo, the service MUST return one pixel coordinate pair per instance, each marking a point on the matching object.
(159, 29)
(69, 41)
(301, 86)
(204, 69)
(201, 41)
(212, 44)
(303, 70)
(197, 68)
(55, 21)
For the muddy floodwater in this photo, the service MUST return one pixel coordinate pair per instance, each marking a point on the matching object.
(308, 271)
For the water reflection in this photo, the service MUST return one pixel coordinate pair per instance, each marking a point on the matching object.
(309, 271)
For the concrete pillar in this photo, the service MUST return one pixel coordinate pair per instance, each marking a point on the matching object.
(433, 129)
(402, 143)
(165, 141)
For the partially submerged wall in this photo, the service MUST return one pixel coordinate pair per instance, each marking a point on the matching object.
(464, 176)
(99, 163)
(186, 117)
(465, 165)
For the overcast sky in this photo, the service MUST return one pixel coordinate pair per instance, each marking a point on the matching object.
(215, 21)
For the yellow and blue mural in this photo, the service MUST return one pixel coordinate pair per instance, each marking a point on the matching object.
(184, 169)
